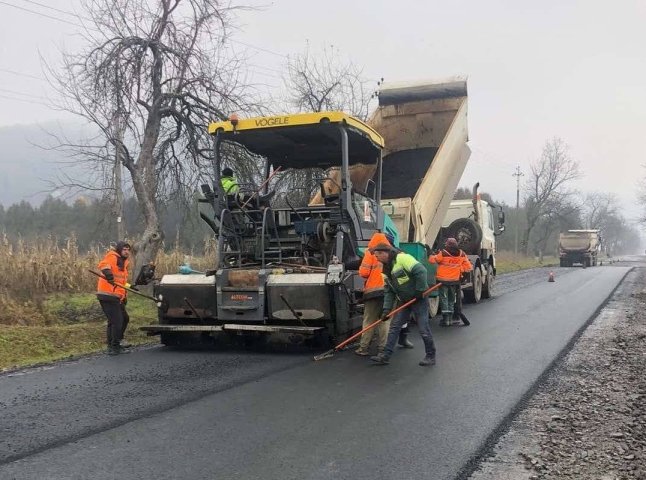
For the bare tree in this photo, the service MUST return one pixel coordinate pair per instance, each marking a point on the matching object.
(547, 191)
(545, 234)
(321, 83)
(598, 207)
(151, 77)
(326, 83)
(641, 198)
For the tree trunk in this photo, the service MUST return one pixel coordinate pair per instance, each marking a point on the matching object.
(526, 234)
(146, 249)
(148, 246)
(144, 183)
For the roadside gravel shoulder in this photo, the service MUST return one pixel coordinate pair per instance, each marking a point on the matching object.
(588, 420)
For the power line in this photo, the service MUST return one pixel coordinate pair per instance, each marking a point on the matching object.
(56, 9)
(261, 49)
(20, 74)
(23, 94)
(40, 14)
(24, 100)
(269, 69)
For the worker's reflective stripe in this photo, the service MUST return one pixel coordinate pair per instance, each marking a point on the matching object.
(110, 261)
(229, 185)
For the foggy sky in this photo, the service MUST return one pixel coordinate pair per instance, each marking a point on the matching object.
(573, 69)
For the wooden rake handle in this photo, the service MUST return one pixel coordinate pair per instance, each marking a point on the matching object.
(374, 324)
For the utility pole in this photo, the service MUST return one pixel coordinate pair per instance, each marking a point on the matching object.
(517, 174)
(119, 126)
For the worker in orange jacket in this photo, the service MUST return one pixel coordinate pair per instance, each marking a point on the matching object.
(113, 299)
(451, 264)
(373, 298)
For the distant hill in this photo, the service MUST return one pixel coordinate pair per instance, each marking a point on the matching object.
(24, 167)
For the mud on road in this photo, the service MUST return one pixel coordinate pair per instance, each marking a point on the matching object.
(588, 419)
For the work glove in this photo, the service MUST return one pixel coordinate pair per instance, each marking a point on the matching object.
(384, 314)
(107, 273)
(419, 296)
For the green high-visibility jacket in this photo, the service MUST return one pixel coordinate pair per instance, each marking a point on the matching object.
(407, 278)
(229, 185)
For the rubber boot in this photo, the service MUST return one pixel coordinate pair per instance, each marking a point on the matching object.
(446, 320)
(114, 350)
(380, 359)
(427, 361)
(404, 342)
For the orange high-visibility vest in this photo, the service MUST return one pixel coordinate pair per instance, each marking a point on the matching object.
(371, 269)
(120, 276)
(450, 267)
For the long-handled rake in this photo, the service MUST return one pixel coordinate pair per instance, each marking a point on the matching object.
(341, 345)
(136, 292)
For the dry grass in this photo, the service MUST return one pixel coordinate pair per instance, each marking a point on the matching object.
(509, 262)
(48, 309)
(33, 271)
(22, 345)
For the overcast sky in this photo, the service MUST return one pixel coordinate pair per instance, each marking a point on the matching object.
(573, 69)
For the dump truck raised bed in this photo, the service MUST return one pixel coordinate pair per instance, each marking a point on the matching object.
(579, 246)
(290, 270)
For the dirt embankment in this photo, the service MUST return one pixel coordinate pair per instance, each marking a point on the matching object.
(588, 421)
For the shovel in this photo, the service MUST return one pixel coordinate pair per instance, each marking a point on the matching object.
(458, 308)
(340, 346)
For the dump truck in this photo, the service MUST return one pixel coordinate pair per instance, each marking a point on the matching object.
(425, 129)
(287, 270)
(579, 246)
(472, 223)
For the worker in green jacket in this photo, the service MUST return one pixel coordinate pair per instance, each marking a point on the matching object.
(405, 279)
(229, 184)
(236, 198)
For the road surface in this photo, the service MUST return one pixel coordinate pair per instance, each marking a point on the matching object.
(164, 414)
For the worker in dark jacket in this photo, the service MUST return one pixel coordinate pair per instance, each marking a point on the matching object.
(113, 299)
(405, 279)
(451, 264)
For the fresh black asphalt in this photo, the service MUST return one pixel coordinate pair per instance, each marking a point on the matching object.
(168, 414)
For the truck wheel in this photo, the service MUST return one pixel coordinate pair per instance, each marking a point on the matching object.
(468, 234)
(562, 263)
(488, 287)
(433, 306)
(474, 295)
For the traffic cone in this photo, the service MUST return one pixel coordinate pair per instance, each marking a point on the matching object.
(551, 277)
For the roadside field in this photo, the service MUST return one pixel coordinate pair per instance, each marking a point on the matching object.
(79, 329)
